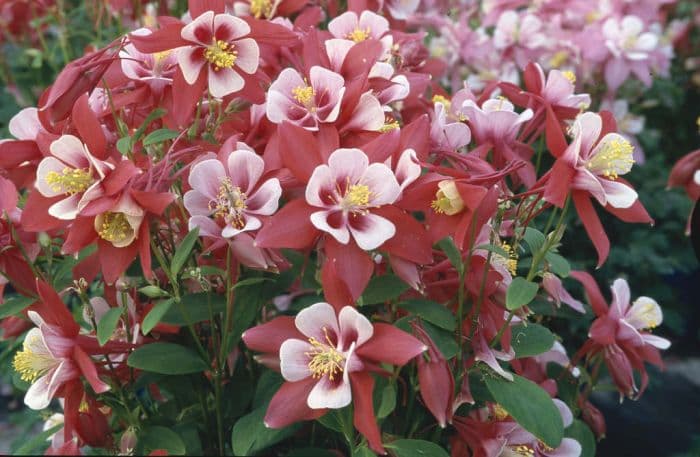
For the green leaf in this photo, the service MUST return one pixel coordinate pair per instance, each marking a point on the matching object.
(153, 115)
(444, 340)
(558, 264)
(534, 239)
(363, 451)
(250, 282)
(520, 293)
(14, 305)
(416, 448)
(152, 291)
(124, 145)
(388, 402)
(197, 309)
(166, 358)
(382, 289)
(530, 340)
(106, 325)
(159, 136)
(336, 420)
(158, 437)
(431, 311)
(250, 434)
(313, 452)
(447, 245)
(579, 431)
(530, 406)
(155, 315)
(183, 251)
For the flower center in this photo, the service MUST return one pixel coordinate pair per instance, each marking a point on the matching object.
(261, 8)
(647, 312)
(358, 195)
(613, 159)
(159, 57)
(31, 365)
(221, 55)
(304, 95)
(230, 204)
(325, 359)
(358, 34)
(510, 262)
(115, 227)
(444, 100)
(70, 180)
(389, 125)
(570, 75)
(447, 199)
(558, 59)
(523, 450)
(499, 413)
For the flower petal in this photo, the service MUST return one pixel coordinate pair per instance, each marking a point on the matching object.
(354, 327)
(330, 394)
(371, 231)
(245, 168)
(294, 363)
(313, 320)
(206, 176)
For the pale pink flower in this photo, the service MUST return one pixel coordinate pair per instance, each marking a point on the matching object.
(305, 103)
(218, 46)
(447, 129)
(554, 287)
(227, 197)
(628, 124)
(337, 338)
(495, 121)
(25, 125)
(156, 70)
(348, 189)
(631, 49)
(599, 161)
(72, 172)
(348, 26)
(559, 87)
(394, 87)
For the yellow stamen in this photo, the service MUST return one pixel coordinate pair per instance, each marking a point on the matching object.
(511, 262)
(115, 227)
(444, 100)
(570, 75)
(358, 195)
(499, 413)
(31, 365)
(325, 358)
(260, 8)
(159, 57)
(70, 181)
(648, 312)
(613, 159)
(304, 95)
(558, 59)
(221, 55)
(592, 16)
(359, 34)
(389, 125)
(523, 450)
(447, 199)
(230, 204)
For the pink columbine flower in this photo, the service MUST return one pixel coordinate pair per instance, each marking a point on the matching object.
(217, 47)
(348, 189)
(631, 49)
(628, 322)
(447, 129)
(305, 103)
(598, 164)
(348, 26)
(559, 87)
(554, 287)
(226, 196)
(496, 120)
(73, 173)
(628, 124)
(156, 70)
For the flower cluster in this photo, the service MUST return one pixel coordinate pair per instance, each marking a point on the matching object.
(264, 213)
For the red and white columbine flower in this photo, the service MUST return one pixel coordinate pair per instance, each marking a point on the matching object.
(598, 164)
(348, 189)
(217, 47)
(73, 173)
(348, 26)
(326, 359)
(226, 198)
(305, 103)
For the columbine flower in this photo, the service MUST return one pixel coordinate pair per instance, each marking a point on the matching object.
(120, 225)
(305, 103)
(348, 26)
(226, 198)
(325, 358)
(218, 46)
(348, 189)
(71, 172)
(631, 49)
(599, 162)
(156, 70)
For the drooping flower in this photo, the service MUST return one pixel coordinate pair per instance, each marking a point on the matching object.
(73, 173)
(218, 47)
(227, 196)
(156, 70)
(348, 189)
(325, 358)
(305, 103)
